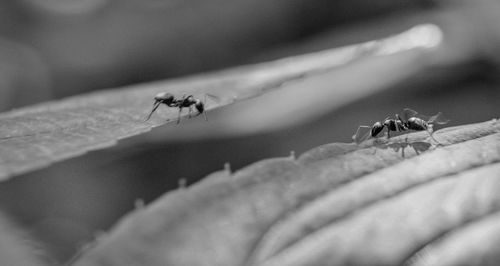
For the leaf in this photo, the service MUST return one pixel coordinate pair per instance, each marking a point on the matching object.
(16, 248)
(338, 204)
(34, 137)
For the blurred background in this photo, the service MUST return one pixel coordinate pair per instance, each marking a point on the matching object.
(57, 48)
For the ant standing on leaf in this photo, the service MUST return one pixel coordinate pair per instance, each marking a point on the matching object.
(171, 101)
(410, 122)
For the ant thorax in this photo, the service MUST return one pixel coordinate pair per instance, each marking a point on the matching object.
(390, 124)
(186, 101)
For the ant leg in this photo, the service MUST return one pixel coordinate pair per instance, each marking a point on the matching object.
(388, 133)
(434, 139)
(190, 111)
(431, 134)
(204, 104)
(357, 138)
(179, 117)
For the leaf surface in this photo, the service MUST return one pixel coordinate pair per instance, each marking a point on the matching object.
(383, 202)
(33, 137)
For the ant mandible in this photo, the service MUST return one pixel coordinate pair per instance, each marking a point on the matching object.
(411, 122)
(186, 101)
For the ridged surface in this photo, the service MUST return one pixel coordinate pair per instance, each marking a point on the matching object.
(338, 204)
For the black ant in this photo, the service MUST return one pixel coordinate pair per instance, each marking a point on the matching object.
(186, 101)
(411, 122)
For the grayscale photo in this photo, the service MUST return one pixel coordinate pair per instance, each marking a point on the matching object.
(249, 133)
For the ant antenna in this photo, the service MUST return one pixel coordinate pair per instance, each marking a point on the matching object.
(357, 138)
(156, 104)
(430, 130)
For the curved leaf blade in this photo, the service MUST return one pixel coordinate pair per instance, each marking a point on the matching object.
(364, 205)
(36, 136)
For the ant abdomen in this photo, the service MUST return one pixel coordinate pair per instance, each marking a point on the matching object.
(200, 107)
(417, 124)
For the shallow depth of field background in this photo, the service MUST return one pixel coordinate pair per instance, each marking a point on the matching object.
(53, 49)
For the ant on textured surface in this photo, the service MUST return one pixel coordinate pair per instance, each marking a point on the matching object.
(410, 122)
(186, 101)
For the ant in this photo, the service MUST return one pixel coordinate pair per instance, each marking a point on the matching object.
(186, 101)
(411, 122)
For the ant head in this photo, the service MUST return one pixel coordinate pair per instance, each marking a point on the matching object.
(164, 97)
(376, 128)
(199, 106)
(378, 125)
